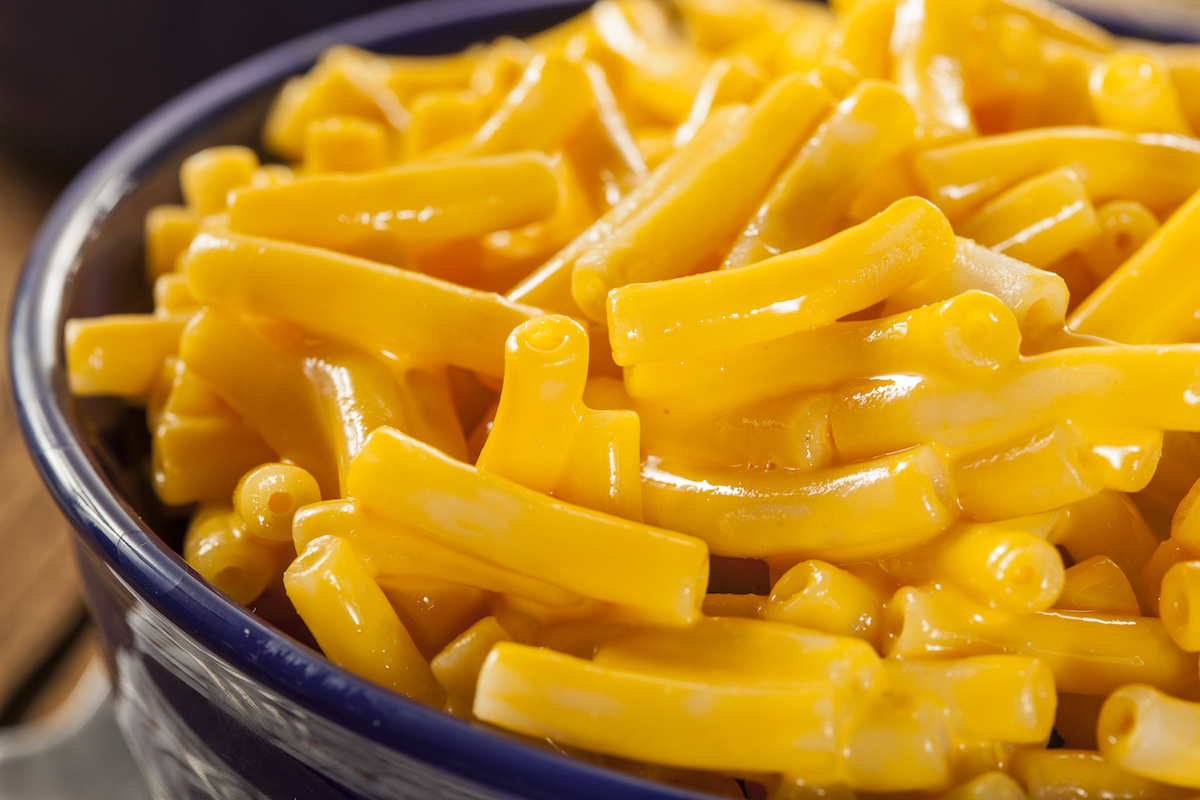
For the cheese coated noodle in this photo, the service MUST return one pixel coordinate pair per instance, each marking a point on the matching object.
(266, 499)
(669, 237)
(1038, 221)
(764, 398)
(401, 478)
(844, 514)
(1152, 734)
(1089, 653)
(350, 617)
(807, 203)
(1001, 565)
(295, 283)
(791, 292)
(971, 333)
(1098, 584)
(1037, 298)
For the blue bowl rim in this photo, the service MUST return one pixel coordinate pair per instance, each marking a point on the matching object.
(111, 529)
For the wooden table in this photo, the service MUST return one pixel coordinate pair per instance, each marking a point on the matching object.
(41, 610)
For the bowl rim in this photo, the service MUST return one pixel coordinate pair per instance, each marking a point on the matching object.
(109, 527)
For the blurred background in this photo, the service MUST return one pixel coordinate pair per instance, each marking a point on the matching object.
(73, 76)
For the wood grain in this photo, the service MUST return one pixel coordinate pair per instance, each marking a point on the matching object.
(39, 588)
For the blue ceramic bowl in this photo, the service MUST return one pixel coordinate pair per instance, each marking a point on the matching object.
(214, 701)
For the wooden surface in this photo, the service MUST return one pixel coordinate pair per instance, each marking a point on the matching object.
(40, 602)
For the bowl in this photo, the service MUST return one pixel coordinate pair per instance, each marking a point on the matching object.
(214, 701)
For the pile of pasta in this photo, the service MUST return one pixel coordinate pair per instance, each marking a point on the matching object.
(767, 399)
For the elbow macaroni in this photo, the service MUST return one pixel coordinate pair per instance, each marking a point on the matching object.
(760, 391)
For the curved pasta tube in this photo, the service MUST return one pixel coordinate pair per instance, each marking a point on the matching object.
(434, 612)
(845, 514)
(1106, 525)
(1179, 597)
(427, 396)
(1063, 98)
(729, 648)
(200, 447)
(266, 386)
(792, 292)
(545, 438)
(1005, 68)
(588, 552)
(1150, 579)
(357, 394)
(1037, 298)
(1158, 172)
(239, 565)
(974, 691)
(1185, 77)
(1185, 524)
(1152, 296)
(747, 724)
(1177, 471)
(788, 432)
(1098, 584)
(928, 45)
(810, 199)
(618, 166)
(861, 35)
(972, 333)
(395, 552)
(1152, 735)
(548, 104)
(431, 201)
(267, 497)
(538, 412)
(1145, 388)
(1000, 565)
(344, 81)
(657, 73)
(1132, 91)
(344, 144)
(1089, 653)
(505, 257)
(349, 299)
(898, 741)
(814, 594)
(1122, 227)
(1050, 773)
(169, 230)
(173, 296)
(1038, 221)
(119, 354)
(348, 614)
(442, 119)
(549, 286)
(702, 211)
(1129, 459)
(457, 666)
(735, 79)
(207, 177)
(1061, 23)
(992, 785)
(1051, 469)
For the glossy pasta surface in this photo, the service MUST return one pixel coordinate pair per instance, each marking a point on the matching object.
(767, 398)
